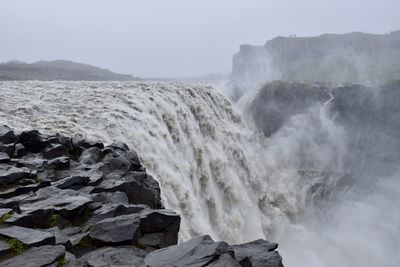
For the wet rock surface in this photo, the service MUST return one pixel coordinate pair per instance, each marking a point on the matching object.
(67, 202)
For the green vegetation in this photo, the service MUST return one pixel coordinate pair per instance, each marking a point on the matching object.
(5, 217)
(62, 261)
(53, 220)
(17, 246)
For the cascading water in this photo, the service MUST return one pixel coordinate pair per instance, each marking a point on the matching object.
(220, 172)
(188, 136)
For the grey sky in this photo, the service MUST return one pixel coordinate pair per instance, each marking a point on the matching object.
(171, 38)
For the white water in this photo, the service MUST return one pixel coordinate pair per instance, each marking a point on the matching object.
(217, 171)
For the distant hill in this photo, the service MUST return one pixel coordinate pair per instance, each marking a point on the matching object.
(352, 57)
(57, 70)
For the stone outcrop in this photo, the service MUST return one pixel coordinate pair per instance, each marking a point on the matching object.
(328, 57)
(67, 202)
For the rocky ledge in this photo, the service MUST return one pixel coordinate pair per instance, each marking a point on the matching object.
(67, 202)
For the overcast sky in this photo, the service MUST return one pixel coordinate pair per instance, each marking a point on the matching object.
(173, 38)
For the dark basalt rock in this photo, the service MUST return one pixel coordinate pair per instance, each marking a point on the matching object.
(258, 253)
(58, 194)
(4, 157)
(200, 251)
(120, 230)
(115, 256)
(28, 236)
(7, 148)
(32, 141)
(10, 174)
(36, 257)
(7, 135)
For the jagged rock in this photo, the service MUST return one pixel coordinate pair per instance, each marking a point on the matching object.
(31, 162)
(38, 208)
(225, 260)
(61, 237)
(72, 181)
(112, 210)
(115, 256)
(162, 224)
(12, 192)
(111, 198)
(54, 151)
(28, 236)
(7, 148)
(11, 174)
(4, 157)
(4, 248)
(7, 135)
(139, 187)
(258, 253)
(199, 251)
(91, 155)
(36, 257)
(88, 144)
(19, 150)
(4, 212)
(59, 163)
(32, 141)
(121, 230)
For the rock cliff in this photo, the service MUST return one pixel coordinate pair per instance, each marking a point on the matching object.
(67, 202)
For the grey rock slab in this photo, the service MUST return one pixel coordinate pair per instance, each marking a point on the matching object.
(32, 140)
(117, 231)
(139, 187)
(36, 257)
(7, 148)
(4, 248)
(111, 198)
(59, 163)
(31, 162)
(259, 253)
(54, 151)
(4, 212)
(72, 180)
(225, 260)
(115, 256)
(28, 236)
(152, 221)
(11, 174)
(6, 134)
(196, 252)
(12, 192)
(4, 157)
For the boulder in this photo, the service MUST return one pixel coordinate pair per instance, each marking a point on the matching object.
(28, 236)
(4, 157)
(72, 181)
(11, 174)
(91, 155)
(258, 253)
(59, 163)
(7, 135)
(121, 230)
(139, 187)
(225, 260)
(54, 151)
(7, 148)
(115, 256)
(197, 252)
(32, 141)
(36, 257)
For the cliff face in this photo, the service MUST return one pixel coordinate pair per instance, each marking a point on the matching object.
(352, 57)
(57, 70)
